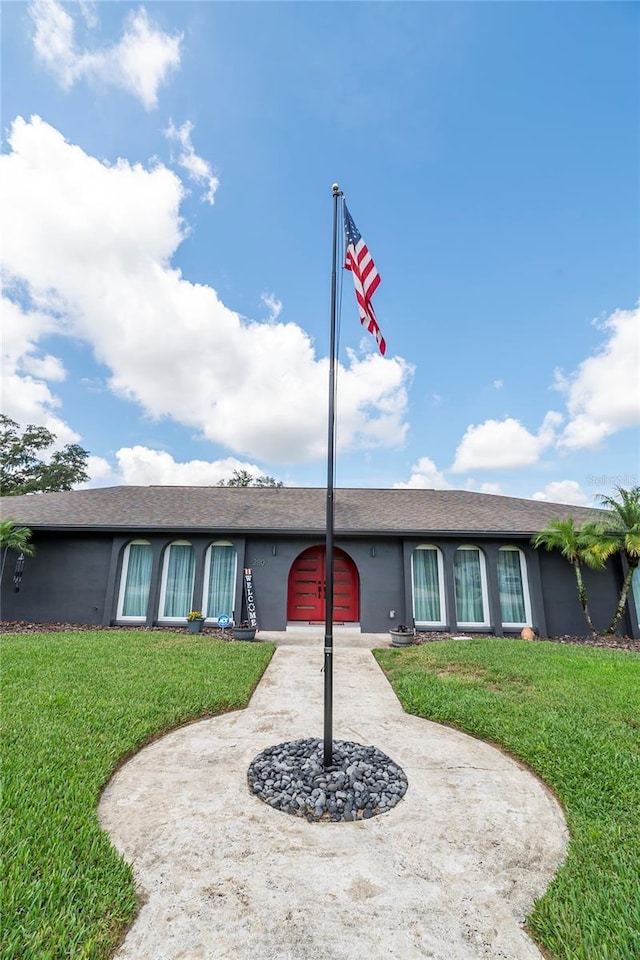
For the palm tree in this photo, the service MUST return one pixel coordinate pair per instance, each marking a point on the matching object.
(13, 537)
(621, 533)
(579, 545)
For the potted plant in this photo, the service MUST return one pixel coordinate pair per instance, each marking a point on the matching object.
(195, 621)
(402, 635)
(244, 631)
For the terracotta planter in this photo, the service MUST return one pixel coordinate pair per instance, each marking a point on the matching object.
(401, 639)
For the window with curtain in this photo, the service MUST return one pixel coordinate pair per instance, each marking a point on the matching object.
(178, 576)
(428, 599)
(512, 582)
(135, 580)
(219, 580)
(635, 586)
(470, 586)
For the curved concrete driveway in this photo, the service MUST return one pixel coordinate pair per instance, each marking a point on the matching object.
(450, 873)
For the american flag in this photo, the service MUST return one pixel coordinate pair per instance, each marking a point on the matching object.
(365, 277)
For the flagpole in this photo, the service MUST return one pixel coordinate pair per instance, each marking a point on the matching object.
(328, 622)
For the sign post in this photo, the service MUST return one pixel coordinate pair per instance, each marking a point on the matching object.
(252, 613)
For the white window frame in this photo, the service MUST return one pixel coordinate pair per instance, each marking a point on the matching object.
(441, 589)
(207, 569)
(524, 576)
(163, 582)
(473, 624)
(123, 583)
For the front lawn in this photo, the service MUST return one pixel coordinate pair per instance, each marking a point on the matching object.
(572, 714)
(74, 705)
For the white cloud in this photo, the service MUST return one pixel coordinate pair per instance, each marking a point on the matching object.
(140, 465)
(498, 384)
(564, 491)
(425, 476)
(273, 305)
(198, 169)
(603, 394)
(503, 444)
(100, 472)
(96, 241)
(138, 63)
(484, 487)
(89, 14)
(45, 368)
(26, 396)
(493, 488)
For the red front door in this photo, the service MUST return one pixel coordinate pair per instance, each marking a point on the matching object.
(308, 589)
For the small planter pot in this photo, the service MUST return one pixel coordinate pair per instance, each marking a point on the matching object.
(244, 633)
(195, 626)
(400, 638)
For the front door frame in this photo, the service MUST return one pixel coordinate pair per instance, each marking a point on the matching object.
(314, 601)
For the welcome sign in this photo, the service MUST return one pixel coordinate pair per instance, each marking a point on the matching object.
(250, 600)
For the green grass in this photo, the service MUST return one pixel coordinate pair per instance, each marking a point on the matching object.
(74, 705)
(573, 715)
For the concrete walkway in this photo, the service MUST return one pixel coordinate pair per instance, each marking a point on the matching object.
(449, 874)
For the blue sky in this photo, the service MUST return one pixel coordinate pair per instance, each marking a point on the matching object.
(166, 193)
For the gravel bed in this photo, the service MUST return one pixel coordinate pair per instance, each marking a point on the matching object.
(362, 782)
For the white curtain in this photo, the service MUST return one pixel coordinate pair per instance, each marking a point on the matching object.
(138, 582)
(222, 575)
(510, 583)
(468, 586)
(426, 586)
(179, 582)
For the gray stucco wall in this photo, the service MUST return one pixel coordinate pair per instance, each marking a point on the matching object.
(380, 578)
(75, 578)
(381, 582)
(562, 607)
(65, 581)
(270, 573)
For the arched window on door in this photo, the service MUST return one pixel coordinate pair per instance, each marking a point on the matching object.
(428, 586)
(135, 581)
(178, 574)
(219, 580)
(470, 579)
(515, 605)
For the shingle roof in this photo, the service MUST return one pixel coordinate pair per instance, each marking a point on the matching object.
(285, 510)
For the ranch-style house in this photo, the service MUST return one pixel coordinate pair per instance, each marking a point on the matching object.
(444, 560)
